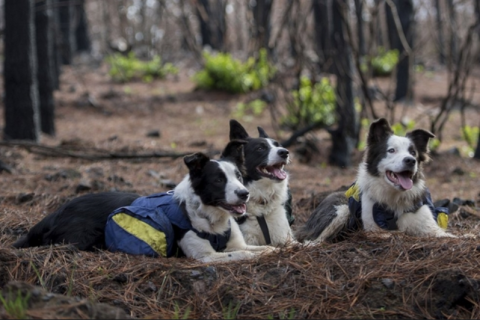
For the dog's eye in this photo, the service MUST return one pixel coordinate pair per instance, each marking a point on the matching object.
(239, 176)
(260, 148)
(391, 150)
(413, 153)
(219, 180)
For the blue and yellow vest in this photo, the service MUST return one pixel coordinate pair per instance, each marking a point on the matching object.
(384, 217)
(152, 225)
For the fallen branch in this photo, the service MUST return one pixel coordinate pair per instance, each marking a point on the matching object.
(96, 154)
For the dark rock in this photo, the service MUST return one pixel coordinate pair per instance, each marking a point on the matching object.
(83, 186)
(458, 171)
(24, 197)
(120, 278)
(153, 134)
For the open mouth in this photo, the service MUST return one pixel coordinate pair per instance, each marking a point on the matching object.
(274, 172)
(401, 179)
(237, 209)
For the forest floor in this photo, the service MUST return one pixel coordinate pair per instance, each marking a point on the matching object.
(361, 277)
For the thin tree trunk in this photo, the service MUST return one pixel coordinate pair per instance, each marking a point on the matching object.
(45, 58)
(453, 32)
(323, 30)
(262, 12)
(20, 72)
(345, 136)
(361, 37)
(477, 150)
(57, 44)
(405, 11)
(441, 38)
(67, 17)
(81, 31)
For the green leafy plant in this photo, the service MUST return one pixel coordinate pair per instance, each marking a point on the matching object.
(223, 72)
(401, 128)
(312, 103)
(15, 307)
(252, 108)
(124, 68)
(383, 63)
(470, 135)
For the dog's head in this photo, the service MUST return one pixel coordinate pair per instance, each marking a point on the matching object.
(398, 159)
(219, 183)
(264, 157)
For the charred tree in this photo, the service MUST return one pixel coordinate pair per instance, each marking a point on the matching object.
(211, 15)
(441, 37)
(360, 33)
(67, 21)
(262, 25)
(401, 38)
(45, 66)
(20, 72)
(323, 29)
(345, 135)
(82, 36)
(453, 32)
(57, 44)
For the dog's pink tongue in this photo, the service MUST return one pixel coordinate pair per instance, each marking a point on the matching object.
(240, 209)
(279, 173)
(405, 181)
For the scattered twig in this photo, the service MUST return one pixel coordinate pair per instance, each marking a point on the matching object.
(95, 154)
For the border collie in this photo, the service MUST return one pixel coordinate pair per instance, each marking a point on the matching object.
(389, 193)
(266, 221)
(212, 194)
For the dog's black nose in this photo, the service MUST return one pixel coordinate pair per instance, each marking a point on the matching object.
(242, 194)
(283, 153)
(409, 161)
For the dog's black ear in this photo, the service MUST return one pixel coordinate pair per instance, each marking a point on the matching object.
(420, 138)
(196, 162)
(237, 131)
(234, 152)
(262, 133)
(379, 131)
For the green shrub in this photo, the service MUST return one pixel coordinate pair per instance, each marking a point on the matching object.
(252, 108)
(470, 135)
(127, 68)
(383, 63)
(223, 72)
(312, 103)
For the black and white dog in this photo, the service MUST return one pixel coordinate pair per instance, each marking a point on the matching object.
(389, 193)
(212, 195)
(266, 221)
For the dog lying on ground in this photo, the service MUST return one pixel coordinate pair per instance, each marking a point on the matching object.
(266, 222)
(210, 195)
(389, 193)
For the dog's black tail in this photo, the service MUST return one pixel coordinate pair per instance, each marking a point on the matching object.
(80, 222)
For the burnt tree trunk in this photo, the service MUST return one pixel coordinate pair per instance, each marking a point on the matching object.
(406, 13)
(262, 25)
(345, 136)
(322, 14)
(360, 35)
(453, 33)
(57, 44)
(81, 31)
(441, 37)
(20, 72)
(211, 15)
(45, 68)
(67, 19)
